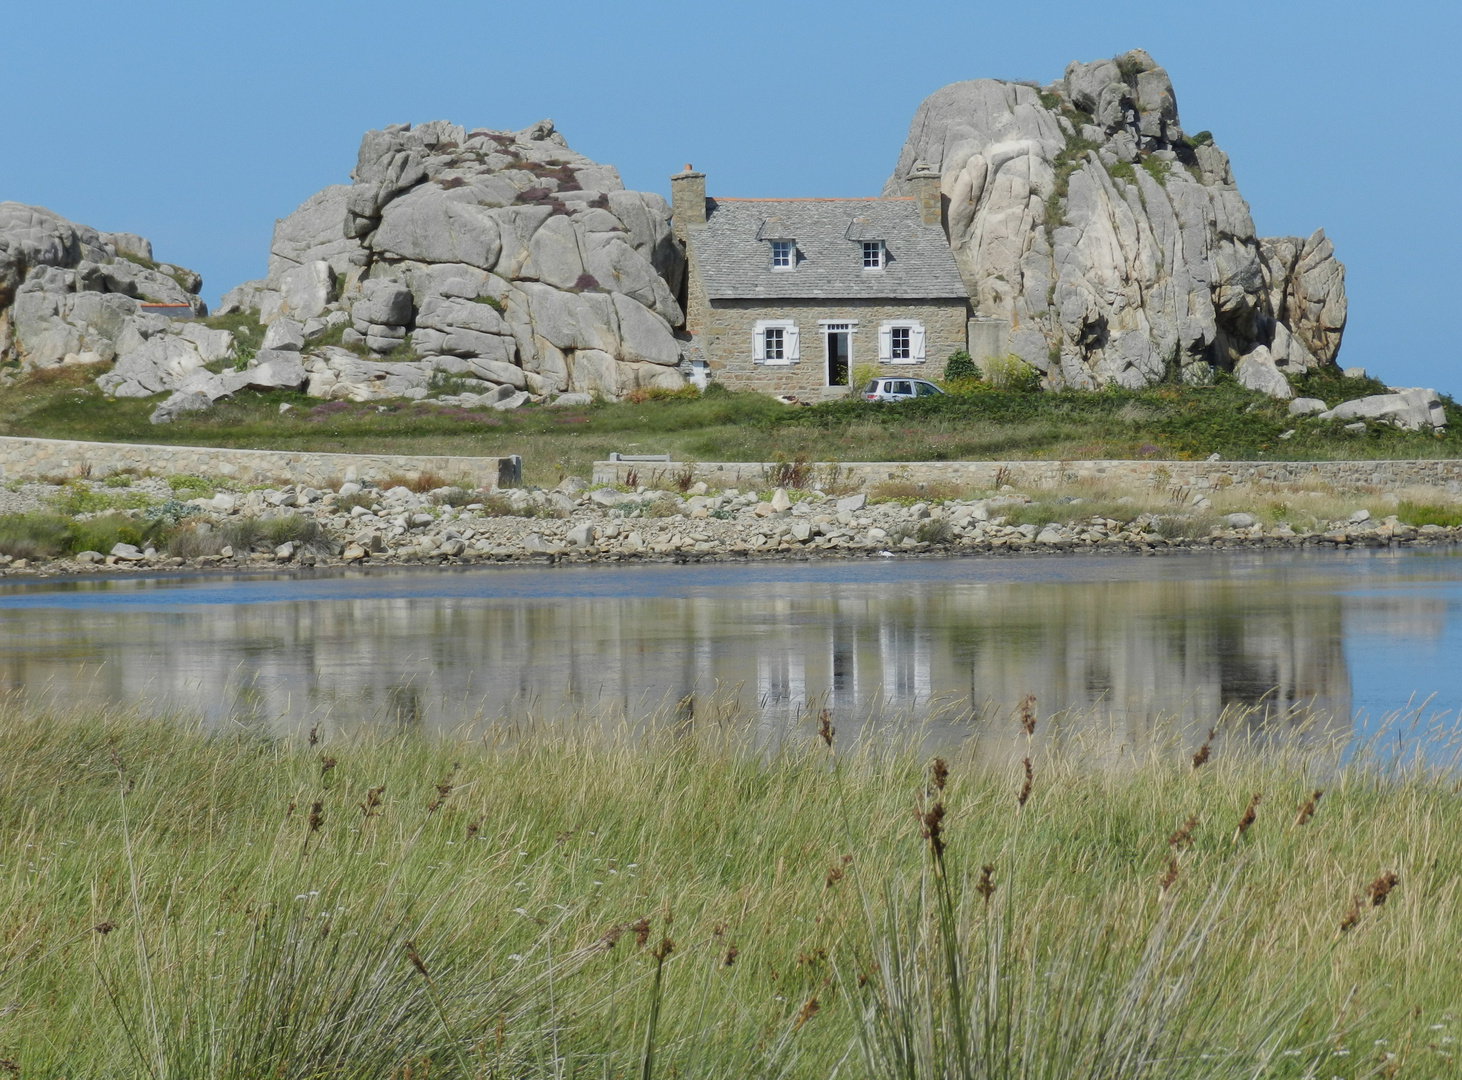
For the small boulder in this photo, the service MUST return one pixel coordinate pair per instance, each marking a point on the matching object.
(781, 503)
(285, 551)
(852, 504)
(1306, 406)
(179, 404)
(1240, 521)
(126, 553)
(573, 400)
(1257, 371)
(581, 536)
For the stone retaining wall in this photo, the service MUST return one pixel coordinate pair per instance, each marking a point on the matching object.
(1339, 475)
(33, 459)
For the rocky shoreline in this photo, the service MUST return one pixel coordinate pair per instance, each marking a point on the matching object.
(359, 526)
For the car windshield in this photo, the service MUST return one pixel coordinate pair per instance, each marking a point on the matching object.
(926, 389)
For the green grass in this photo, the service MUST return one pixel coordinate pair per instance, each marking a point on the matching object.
(179, 903)
(46, 535)
(1420, 514)
(1168, 421)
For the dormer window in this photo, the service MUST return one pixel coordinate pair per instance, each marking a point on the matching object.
(873, 255)
(782, 254)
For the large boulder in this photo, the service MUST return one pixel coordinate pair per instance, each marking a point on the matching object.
(1412, 409)
(71, 294)
(1116, 248)
(503, 255)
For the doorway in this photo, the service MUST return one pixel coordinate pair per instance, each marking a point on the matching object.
(838, 337)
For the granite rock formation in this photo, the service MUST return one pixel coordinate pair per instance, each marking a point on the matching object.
(1103, 244)
(72, 294)
(503, 260)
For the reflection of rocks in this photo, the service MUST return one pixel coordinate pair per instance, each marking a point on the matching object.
(1131, 651)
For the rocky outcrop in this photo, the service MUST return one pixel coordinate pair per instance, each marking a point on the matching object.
(72, 294)
(1115, 247)
(497, 258)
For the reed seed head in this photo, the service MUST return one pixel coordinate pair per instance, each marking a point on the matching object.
(986, 887)
(416, 960)
(662, 950)
(1381, 888)
(1183, 837)
(807, 1012)
(1205, 751)
(1165, 882)
(939, 774)
(1249, 815)
(1307, 811)
(732, 952)
(933, 828)
(1025, 788)
(317, 816)
(642, 931)
(1352, 916)
(372, 805)
(473, 828)
(326, 764)
(1028, 714)
(825, 729)
(315, 735)
(104, 927)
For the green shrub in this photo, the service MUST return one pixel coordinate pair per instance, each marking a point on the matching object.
(960, 366)
(77, 497)
(1420, 514)
(195, 486)
(935, 531)
(32, 536)
(103, 532)
(1012, 373)
(118, 480)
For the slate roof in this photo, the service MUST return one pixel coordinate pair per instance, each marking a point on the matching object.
(734, 257)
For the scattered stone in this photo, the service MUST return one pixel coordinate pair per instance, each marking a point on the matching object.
(852, 504)
(780, 502)
(1240, 520)
(126, 553)
(285, 551)
(1306, 406)
(1410, 409)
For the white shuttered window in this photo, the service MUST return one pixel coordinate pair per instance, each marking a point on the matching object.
(775, 341)
(901, 341)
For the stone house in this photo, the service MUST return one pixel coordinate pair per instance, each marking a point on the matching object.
(787, 296)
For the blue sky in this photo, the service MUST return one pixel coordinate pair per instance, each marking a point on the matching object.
(198, 124)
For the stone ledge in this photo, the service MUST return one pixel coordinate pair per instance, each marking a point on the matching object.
(33, 459)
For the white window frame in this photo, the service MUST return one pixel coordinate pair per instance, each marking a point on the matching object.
(791, 263)
(791, 342)
(917, 341)
(882, 255)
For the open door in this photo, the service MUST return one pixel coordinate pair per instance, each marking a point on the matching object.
(839, 350)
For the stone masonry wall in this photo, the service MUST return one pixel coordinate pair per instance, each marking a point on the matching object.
(1198, 475)
(721, 334)
(30, 459)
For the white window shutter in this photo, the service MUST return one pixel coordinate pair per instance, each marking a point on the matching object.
(916, 342)
(791, 337)
(758, 344)
(885, 343)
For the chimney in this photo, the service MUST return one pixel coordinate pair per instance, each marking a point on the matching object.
(924, 187)
(687, 201)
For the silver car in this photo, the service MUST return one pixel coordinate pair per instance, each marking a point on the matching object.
(899, 389)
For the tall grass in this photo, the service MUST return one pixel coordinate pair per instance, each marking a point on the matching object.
(531, 902)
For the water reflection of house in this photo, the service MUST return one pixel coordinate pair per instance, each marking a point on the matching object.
(1131, 651)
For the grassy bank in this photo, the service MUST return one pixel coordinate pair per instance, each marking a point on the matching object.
(183, 905)
(1163, 422)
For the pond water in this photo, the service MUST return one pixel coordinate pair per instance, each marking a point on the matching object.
(1136, 643)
